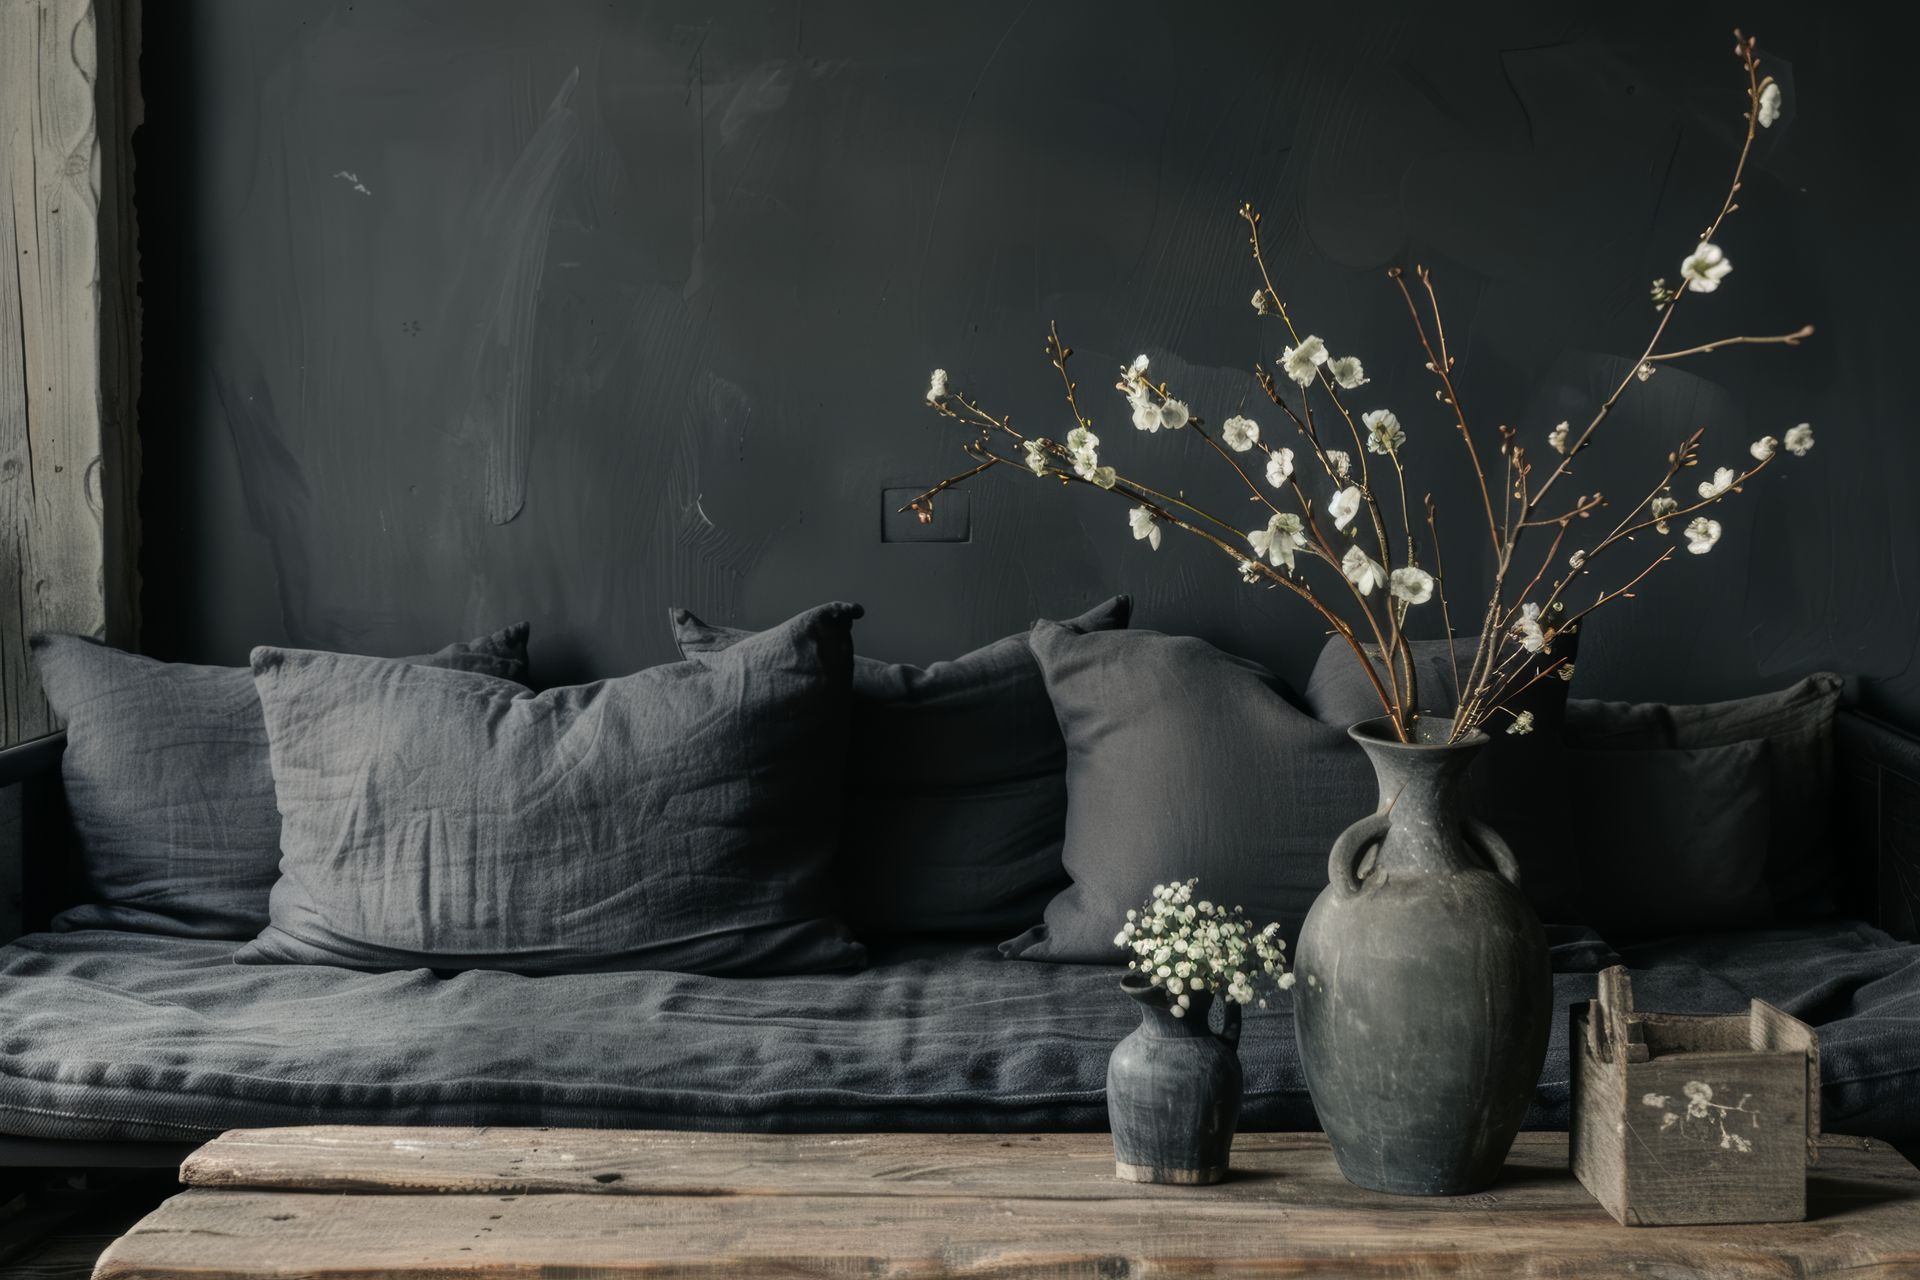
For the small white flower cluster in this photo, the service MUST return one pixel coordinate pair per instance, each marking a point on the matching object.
(1144, 526)
(1190, 948)
(1558, 437)
(1534, 635)
(1151, 410)
(1279, 467)
(1302, 364)
(937, 387)
(1769, 105)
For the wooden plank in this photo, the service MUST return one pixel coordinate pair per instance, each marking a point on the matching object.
(1867, 1225)
(1267, 1166)
(67, 349)
(1770, 1029)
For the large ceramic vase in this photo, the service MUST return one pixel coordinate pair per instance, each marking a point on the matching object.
(1423, 991)
(1173, 1090)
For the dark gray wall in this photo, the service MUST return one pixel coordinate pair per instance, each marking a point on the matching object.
(458, 313)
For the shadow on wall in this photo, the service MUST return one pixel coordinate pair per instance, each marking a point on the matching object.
(576, 312)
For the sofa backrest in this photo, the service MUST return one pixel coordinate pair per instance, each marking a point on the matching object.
(1876, 826)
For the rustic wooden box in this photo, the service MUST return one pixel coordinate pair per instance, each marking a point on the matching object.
(1683, 1118)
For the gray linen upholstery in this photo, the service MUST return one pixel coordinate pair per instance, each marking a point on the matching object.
(1796, 723)
(1186, 761)
(679, 818)
(167, 779)
(956, 774)
(125, 1036)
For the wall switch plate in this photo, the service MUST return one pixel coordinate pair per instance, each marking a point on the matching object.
(952, 517)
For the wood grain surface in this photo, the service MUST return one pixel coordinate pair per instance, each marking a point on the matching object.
(496, 1203)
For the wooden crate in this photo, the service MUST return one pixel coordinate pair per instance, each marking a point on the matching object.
(1694, 1119)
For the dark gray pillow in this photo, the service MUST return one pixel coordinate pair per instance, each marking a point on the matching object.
(679, 818)
(1663, 841)
(1186, 761)
(168, 782)
(958, 793)
(1796, 724)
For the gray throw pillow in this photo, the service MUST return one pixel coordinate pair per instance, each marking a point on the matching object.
(1669, 841)
(169, 787)
(958, 792)
(679, 818)
(1186, 761)
(1796, 723)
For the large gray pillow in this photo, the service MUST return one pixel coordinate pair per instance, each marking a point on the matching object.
(1796, 723)
(168, 782)
(679, 818)
(957, 786)
(1186, 761)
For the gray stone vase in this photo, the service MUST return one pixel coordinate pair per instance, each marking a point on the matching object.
(1423, 988)
(1173, 1090)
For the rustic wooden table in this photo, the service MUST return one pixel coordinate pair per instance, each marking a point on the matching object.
(350, 1201)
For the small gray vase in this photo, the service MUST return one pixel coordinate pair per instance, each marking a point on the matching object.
(1424, 988)
(1173, 1090)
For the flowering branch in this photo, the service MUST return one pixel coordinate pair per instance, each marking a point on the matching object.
(1513, 649)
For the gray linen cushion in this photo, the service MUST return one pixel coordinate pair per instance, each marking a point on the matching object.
(1185, 761)
(679, 818)
(167, 779)
(1669, 841)
(1796, 723)
(958, 790)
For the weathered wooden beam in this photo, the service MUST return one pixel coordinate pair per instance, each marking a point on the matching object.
(69, 464)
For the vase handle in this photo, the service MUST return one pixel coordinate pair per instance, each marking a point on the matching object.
(1344, 862)
(1495, 850)
(1230, 1023)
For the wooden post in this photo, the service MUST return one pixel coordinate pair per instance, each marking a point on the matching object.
(69, 326)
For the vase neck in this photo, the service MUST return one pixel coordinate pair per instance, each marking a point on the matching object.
(1423, 790)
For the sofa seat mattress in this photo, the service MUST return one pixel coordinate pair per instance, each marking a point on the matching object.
(120, 1036)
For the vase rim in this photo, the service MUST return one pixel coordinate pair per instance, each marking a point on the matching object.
(1378, 732)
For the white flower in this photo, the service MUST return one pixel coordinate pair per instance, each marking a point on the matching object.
(1250, 571)
(1577, 559)
(1722, 481)
(1769, 105)
(1105, 477)
(1344, 506)
(1533, 637)
(1414, 585)
(937, 388)
(1763, 448)
(1279, 467)
(1146, 411)
(1080, 439)
(1136, 373)
(1036, 457)
(1239, 433)
(1174, 414)
(1143, 524)
(1702, 534)
(1362, 571)
(1799, 440)
(1566, 671)
(1705, 268)
(1645, 371)
(1261, 303)
(1522, 723)
(1340, 462)
(1347, 372)
(1662, 507)
(1303, 362)
(1278, 541)
(1383, 431)
(1558, 437)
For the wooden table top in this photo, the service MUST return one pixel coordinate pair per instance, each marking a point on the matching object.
(470, 1203)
